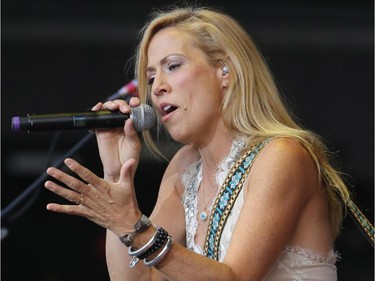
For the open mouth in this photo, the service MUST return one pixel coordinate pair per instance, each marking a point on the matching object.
(166, 109)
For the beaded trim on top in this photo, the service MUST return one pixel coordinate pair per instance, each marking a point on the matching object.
(191, 180)
(226, 198)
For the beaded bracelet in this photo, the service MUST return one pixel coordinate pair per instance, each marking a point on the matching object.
(137, 252)
(161, 255)
(162, 237)
(156, 241)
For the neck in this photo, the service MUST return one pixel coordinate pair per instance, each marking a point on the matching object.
(214, 151)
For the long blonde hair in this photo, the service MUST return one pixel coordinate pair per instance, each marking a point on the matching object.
(252, 106)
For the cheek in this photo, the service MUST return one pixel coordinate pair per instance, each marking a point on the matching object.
(182, 80)
(205, 82)
(152, 98)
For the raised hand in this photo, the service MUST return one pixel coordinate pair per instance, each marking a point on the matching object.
(117, 146)
(112, 205)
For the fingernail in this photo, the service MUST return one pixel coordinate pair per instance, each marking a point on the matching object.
(68, 162)
(124, 107)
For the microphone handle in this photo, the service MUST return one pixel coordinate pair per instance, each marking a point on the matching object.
(70, 121)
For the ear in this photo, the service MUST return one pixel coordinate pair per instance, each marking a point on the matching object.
(223, 74)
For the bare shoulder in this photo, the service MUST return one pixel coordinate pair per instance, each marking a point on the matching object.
(279, 187)
(285, 151)
(284, 164)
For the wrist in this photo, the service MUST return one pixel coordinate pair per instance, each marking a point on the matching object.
(147, 242)
(150, 246)
(141, 225)
(111, 178)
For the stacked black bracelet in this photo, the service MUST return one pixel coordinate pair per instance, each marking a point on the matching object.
(160, 238)
(156, 241)
(161, 255)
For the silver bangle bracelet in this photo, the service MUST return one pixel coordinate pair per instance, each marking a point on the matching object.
(137, 252)
(161, 255)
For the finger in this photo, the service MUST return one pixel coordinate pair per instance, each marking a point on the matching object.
(130, 131)
(67, 209)
(70, 181)
(117, 104)
(86, 175)
(79, 210)
(97, 107)
(132, 139)
(134, 101)
(68, 194)
(128, 171)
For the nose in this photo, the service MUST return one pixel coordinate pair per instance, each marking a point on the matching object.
(160, 85)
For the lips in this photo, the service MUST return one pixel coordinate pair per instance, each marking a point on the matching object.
(167, 108)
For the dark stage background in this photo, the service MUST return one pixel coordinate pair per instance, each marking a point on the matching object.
(61, 56)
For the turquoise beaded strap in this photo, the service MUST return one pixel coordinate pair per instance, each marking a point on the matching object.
(363, 223)
(226, 198)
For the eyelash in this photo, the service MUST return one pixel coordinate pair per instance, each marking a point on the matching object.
(150, 81)
(170, 67)
(173, 66)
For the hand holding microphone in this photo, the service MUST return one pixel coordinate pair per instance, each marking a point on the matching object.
(116, 149)
(143, 117)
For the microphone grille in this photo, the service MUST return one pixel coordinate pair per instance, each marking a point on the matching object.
(144, 117)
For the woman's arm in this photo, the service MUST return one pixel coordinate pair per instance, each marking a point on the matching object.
(168, 213)
(113, 205)
(282, 180)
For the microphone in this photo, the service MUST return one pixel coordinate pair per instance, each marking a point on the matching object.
(143, 116)
(125, 91)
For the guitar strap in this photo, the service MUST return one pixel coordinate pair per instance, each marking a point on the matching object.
(226, 198)
(364, 225)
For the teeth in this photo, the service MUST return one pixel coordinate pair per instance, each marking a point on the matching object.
(167, 107)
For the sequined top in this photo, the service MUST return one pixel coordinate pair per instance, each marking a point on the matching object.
(294, 264)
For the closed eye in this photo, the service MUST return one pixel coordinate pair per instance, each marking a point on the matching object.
(171, 67)
(174, 66)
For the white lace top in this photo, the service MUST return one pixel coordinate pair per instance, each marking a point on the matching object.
(294, 264)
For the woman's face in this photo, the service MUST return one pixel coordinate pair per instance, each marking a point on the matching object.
(185, 88)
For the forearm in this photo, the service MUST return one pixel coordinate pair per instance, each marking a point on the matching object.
(181, 264)
(118, 262)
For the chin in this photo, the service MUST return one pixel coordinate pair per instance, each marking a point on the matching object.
(179, 136)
